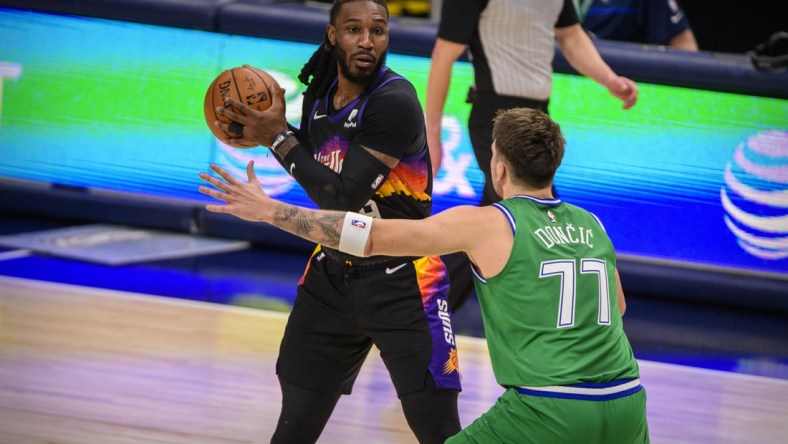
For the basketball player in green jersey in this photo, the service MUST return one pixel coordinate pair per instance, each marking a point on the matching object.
(545, 272)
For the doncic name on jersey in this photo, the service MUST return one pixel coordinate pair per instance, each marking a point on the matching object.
(551, 235)
(567, 234)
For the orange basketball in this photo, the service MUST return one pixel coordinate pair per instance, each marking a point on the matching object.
(246, 84)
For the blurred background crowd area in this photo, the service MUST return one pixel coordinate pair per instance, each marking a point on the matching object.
(719, 25)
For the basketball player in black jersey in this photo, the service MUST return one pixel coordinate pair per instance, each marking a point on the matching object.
(361, 147)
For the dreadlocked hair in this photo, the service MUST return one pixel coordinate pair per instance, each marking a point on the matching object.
(321, 69)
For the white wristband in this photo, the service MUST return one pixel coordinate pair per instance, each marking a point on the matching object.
(355, 233)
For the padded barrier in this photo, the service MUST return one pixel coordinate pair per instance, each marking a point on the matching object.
(306, 22)
(412, 36)
(83, 205)
(714, 71)
(731, 288)
(287, 20)
(86, 206)
(192, 14)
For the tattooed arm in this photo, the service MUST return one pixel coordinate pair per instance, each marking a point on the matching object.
(455, 229)
(248, 201)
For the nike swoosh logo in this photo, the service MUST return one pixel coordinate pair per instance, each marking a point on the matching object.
(292, 167)
(676, 18)
(395, 269)
(318, 116)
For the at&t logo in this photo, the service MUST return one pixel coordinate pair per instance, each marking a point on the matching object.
(755, 195)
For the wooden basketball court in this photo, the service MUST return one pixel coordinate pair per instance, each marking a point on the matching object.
(83, 365)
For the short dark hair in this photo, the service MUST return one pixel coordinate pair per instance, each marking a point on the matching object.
(320, 71)
(337, 6)
(531, 143)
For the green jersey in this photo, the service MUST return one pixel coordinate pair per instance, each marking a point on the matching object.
(553, 311)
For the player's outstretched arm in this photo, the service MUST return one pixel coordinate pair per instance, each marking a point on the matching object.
(248, 201)
(455, 229)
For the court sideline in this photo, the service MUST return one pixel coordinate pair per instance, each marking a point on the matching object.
(89, 365)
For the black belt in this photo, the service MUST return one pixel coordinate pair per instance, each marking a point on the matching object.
(366, 262)
(506, 101)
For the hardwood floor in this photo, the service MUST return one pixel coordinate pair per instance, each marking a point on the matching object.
(84, 365)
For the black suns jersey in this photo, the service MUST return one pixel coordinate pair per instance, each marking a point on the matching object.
(386, 117)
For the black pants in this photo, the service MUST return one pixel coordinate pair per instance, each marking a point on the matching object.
(480, 127)
(342, 308)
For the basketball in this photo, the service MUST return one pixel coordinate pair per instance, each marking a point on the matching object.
(246, 84)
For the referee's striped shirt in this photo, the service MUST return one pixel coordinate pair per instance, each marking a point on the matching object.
(512, 42)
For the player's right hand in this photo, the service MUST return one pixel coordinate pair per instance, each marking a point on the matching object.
(256, 127)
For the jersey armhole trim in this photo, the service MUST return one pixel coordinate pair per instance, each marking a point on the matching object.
(598, 221)
(509, 216)
(477, 275)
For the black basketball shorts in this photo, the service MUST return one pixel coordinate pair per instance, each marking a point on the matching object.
(342, 309)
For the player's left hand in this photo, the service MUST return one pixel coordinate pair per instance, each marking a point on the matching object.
(624, 89)
(245, 200)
